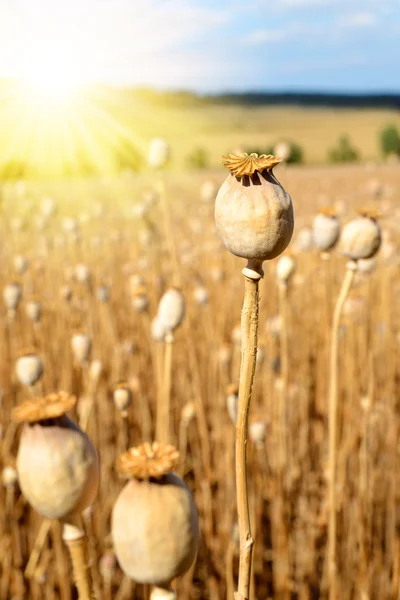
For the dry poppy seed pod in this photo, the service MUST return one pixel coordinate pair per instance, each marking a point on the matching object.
(9, 477)
(12, 294)
(140, 301)
(33, 310)
(304, 240)
(66, 293)
(282, 151)
(57, 464)
(95, 370)
(208, 191)
(201, 295)
(82, 273)
(232, 399)
(102, 293)
(135, 282)
(285, 267)
(325, 229)
(257, 432)
(159, 153)
(122, 396)
(70, 225)
(29, 368)
(81, 346)
(361, 237)
(171, 309)
(20, 264)
(274, 326)
(154, 520)
(217, 274)
(367, 265)
(260, 355)
(188, 412)
(224, 355)
(48, 207)
(158, 593)
(158, 331)
(253, 213)
(17, 224)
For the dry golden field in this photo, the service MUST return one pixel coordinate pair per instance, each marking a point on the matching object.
(103, 125)
(91, 264)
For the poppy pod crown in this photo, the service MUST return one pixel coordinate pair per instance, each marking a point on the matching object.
(253, 213)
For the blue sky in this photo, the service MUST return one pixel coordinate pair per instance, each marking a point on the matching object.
(208, 46)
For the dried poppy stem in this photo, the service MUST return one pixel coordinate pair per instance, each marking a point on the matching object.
(74, 538)
(163, 425)
(253, 273)
(333, 403)
(37, 548)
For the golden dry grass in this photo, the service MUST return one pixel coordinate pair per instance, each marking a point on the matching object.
(117, 244)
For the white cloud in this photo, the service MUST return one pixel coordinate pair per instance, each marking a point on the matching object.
(358, 20)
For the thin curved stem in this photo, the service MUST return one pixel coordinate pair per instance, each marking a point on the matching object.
(333, 402)
(247, 371)
(163, 424)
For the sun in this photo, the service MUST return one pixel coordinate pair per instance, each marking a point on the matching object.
(51, 77)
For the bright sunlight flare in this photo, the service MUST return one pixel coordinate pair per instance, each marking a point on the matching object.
(55, 121)
(51, 75)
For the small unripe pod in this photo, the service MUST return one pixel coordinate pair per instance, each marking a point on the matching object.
(33, 310)
(122, 396)
(253, 213)
(29, 368)
(366, 265)
(232, 401)
(95, 370)
(102, 293)
(285, 267)
(188, 412)
(12, 294)
(208, 191)
(325, 229)
(140, 301)
(304, 240)
(257, 432)
(159, 153)
(201, 295)
(158, 331)
(20, 264)
(48, 207)
(171, 309)
(361, 237)
(9, 477)
(282, 151)
(82, 273)
(81, 347)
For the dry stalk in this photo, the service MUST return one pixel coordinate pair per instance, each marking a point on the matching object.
(253, 273)
(163, 424)
(74, 538)
(333, 405)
